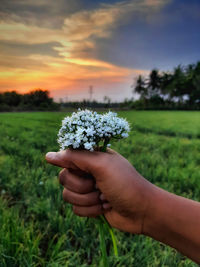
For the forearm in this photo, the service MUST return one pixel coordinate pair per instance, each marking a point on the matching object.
(175, 221)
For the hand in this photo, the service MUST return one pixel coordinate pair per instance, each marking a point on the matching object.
(125, 195)
(131, 203)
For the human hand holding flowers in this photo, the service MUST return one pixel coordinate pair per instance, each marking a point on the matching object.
(128, 201)
(126, 194)
(137, 206)
(88, 130)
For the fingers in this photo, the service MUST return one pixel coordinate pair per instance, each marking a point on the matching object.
(86, 205)
(78, 184)
(80, 191)
(106, 205)
(92, 211)
(89, 199)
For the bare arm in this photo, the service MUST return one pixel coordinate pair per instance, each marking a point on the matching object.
(175, 221)
(128, 201)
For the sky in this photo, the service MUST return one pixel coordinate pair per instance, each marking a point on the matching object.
(66, 46)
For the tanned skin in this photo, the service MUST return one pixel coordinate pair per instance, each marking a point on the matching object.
(106, 183)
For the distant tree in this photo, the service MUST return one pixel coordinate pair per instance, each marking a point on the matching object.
(177, 89)
(38, 98)
(153, 83)
(11, 98)
(165, 83)
(178, 84)
(140, 87)
(35, 100)
(193, 83)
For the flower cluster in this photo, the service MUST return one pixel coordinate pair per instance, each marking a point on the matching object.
(86, 129)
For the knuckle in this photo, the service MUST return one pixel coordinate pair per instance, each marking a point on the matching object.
(67, 154)
(85, 186)
(91, 199)
(95, 197)
(65, 196)
(63, 176)
(102, 161)
(89, 185)
(80, 187)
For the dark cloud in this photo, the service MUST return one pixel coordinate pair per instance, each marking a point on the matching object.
(172, 37)
(20, 49)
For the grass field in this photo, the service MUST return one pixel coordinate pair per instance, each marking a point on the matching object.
(38, 229)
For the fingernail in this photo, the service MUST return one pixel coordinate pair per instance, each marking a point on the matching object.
(106, 206)
(50, 156)
(102, 197)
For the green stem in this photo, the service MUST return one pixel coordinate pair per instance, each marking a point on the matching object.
(104, 222)
(104, 148)
(109, 228)
(103, 244)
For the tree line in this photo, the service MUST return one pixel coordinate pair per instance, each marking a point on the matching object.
(35, 100)
(179, 89)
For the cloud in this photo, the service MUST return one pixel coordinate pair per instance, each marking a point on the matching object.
(86, 30)
(78, 26)
(45, 13)
(101, 23)
(55, 45)
(21, 49)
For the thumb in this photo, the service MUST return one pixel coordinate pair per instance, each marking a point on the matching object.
(60, 159)
(75, 159)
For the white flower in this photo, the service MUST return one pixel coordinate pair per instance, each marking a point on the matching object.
(76, 144)
(80, 131)
(88, 146)
(124, 135)
(90, 131)
(85, 129)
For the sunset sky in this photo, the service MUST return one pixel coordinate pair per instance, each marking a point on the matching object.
(65, 46)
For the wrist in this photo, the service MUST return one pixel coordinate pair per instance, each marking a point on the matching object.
(153, 214)
(159, 220)
(145, 206)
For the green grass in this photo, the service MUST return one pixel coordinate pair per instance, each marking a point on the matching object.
(179, 123)
(39, 229)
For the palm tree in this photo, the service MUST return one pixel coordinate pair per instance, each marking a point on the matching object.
(154, 83)
(140, 87)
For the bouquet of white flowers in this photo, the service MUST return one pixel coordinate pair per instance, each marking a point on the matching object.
(89, 130)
